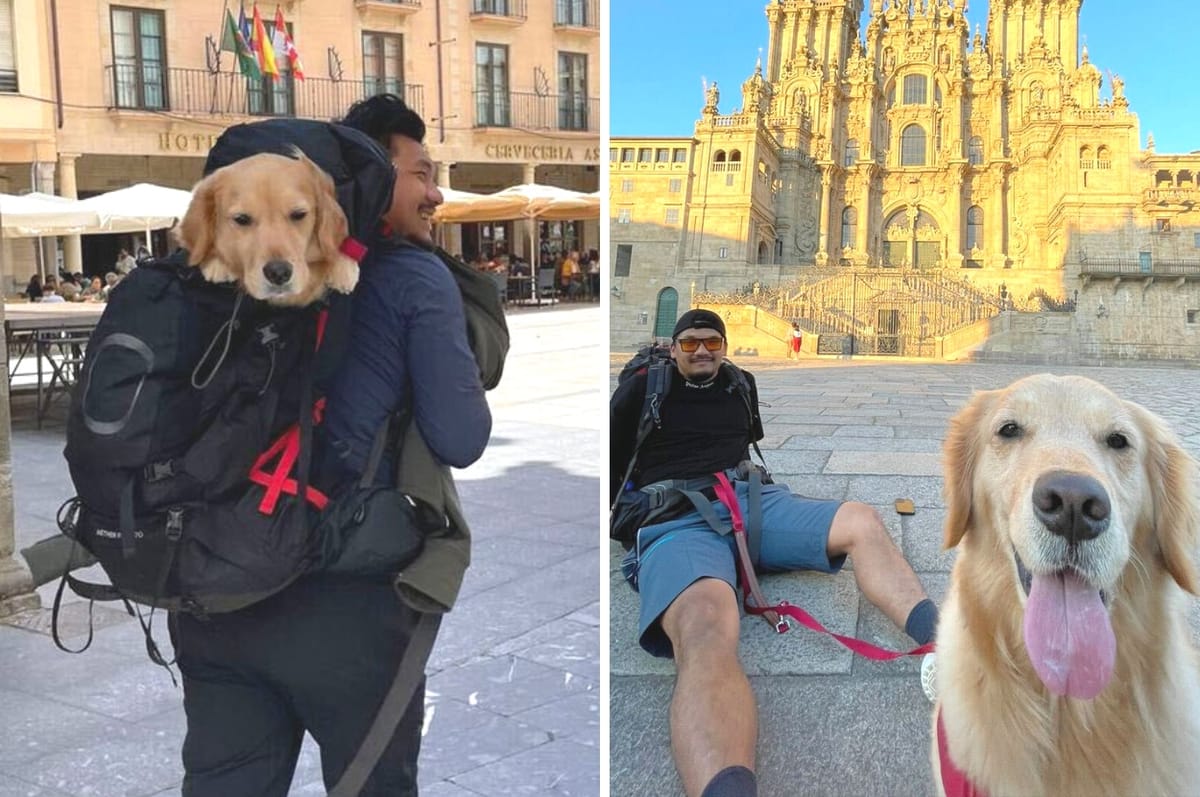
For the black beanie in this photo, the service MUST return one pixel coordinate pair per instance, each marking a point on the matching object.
(699, 319)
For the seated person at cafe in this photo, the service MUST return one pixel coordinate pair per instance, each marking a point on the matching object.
(50, 295)
(33, 291)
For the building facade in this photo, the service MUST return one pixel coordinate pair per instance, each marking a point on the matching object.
(96, 96)
(999, 160)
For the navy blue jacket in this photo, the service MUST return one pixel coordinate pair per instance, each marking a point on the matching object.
(407, 342)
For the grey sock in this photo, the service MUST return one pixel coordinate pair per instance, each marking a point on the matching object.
(921, 624)
(732, 782)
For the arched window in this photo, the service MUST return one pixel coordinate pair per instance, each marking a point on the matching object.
(719, 156)
(916, 89)
(1103, 158)
(735, 156)
(664, 315)
(1085, 157)
(851, 152)
(849, 227)
(912, 146)
(763, 249)
(975, 151)
(974, 228)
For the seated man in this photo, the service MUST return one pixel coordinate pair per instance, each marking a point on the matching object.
(685, 571)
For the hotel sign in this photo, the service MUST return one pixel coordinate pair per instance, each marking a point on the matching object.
(184, 142)
(541, 152)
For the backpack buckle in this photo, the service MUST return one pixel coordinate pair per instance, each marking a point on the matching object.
(174, 523)
(157, 471)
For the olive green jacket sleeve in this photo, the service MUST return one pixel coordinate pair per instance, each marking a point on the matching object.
(431, 583)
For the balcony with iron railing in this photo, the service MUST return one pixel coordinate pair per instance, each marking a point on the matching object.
(1136, 268)
(566, 113)
(505, 11)
(200, 92)
(401, 7)
(577, 14)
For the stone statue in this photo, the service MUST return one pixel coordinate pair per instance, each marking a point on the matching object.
(711, 97)
(1118, 87)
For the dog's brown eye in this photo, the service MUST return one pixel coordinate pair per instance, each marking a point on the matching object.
(1009, 430)
(242, 220)
(297, 215)
(1117, 441)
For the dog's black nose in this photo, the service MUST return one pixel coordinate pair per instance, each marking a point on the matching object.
(1071, 505)
(277, 272)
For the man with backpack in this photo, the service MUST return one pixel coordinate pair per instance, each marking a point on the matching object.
(323, 654)
(678, 430)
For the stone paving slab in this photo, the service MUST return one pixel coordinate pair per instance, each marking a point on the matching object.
(108, 722)
(868, 432)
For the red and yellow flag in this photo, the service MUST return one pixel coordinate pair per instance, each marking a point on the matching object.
(262, 47)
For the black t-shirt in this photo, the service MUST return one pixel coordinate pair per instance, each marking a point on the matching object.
(705, 428)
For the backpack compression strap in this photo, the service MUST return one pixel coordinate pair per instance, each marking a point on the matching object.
(658, 379)
(288, 448)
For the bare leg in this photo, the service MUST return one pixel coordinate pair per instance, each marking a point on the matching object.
(880, 569)
(714, 719)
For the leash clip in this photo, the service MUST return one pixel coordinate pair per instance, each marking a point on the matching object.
(782, 627)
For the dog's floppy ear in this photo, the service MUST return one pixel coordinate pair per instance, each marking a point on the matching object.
(959, 454)
(1172, 474)
(330, 230)
(197, 229)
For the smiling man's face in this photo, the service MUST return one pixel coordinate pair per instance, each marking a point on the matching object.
(416, 194)
(701, 363)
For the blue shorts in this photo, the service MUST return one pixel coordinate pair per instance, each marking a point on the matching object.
(669, 557)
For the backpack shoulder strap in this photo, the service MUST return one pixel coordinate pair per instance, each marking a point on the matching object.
(658, 383)
(742, 385)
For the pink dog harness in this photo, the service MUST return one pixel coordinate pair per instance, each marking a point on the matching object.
(954, 781)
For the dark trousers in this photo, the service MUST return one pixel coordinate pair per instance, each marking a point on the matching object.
(317, 657)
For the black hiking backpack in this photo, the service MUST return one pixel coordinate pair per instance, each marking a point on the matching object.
(190, 427)
(628, 509)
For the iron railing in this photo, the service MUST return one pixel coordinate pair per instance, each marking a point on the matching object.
(512, 9)
(1127, 267)
(199, 91)
(577, 14)
(874, 311)
(532, 111)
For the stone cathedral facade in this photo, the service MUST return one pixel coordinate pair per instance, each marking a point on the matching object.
(998, 155)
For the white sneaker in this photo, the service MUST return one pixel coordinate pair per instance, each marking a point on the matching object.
(929, 676)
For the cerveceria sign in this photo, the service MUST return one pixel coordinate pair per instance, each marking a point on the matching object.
(541, 152)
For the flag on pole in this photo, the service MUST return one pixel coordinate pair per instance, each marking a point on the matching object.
(263, 48)
(285, 47)
(233, 41)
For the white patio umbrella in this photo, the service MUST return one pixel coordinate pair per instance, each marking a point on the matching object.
(460, 207)
(142, 206)
(35, 215)
(552, 203)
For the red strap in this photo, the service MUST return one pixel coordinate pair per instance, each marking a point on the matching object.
(728, 496)
(954, 780)
(353, 249)
(278, 481)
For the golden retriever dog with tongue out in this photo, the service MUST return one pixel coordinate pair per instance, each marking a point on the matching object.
(1065, 664)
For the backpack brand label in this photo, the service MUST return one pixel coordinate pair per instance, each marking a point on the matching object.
(113, 534)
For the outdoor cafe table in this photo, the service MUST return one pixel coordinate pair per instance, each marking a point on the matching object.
(55, 333)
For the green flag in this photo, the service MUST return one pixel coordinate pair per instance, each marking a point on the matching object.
(235, 42)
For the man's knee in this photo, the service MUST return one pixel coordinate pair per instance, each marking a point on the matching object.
(703, 620)
(856, 525)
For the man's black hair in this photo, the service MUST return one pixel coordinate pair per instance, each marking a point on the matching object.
(383, 116)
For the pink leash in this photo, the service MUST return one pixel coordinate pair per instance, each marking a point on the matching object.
(756, 604)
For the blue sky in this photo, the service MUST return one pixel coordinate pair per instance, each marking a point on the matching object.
(660, 50)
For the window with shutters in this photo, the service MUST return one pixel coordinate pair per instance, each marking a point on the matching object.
(139, 58)
(8, 52)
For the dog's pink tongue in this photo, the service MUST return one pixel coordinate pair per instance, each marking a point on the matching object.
(1069, 636)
